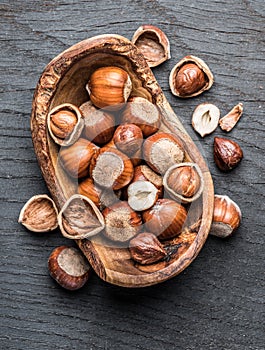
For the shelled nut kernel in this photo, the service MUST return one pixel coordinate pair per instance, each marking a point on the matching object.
(205, 118)
(145, 248)
(227, 153)
(142, 195)
(39, 214)
(109, 87)
(68, 267)
(144, 173)
(128, 138)
(190, 77)
(65, 124)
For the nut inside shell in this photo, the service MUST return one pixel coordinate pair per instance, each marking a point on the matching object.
(65, 124)
(184, 182)
(153, 44)
(39, 214)
(190, 77)
(80, 218)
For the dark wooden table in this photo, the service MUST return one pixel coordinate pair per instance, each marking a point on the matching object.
(218, 301)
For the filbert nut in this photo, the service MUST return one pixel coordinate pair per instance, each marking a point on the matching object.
(145, 248)
(145, 173)
(184, 182)
(162, 150)
(121, 222)
(76, 158)
(109, 87)
(39, 214)
(165, 219)
(68, 267)
(190, 77)
(205, 118)
(226, 217)
(128, 138)
(142, 195)
(99, 124)
(227, 153)
(65, 124)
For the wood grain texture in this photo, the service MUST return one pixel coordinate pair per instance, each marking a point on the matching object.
(218, 302)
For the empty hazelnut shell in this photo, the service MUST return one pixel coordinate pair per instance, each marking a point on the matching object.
(39, 214)
(190, 77)
(153, 44)
(184, 182)
(80, 218)
(65, 124)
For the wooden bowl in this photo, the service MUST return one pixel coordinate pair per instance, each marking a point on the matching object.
(63, 81)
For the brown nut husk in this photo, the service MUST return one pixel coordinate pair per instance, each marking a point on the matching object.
(109, 87)
(68, 267)
(226, 217)
(153, 44)
(65, 124)
(184, 182)
(99, 124)
(165, 219)
(227, 153)
(121, 222)
(205, 118)
(228, 122)
(80, 218)
(190, 77)
(39, 214)
(145, 248)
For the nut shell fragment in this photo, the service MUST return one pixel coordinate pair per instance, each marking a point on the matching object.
(39, 214)
(80, 218)
(153, 44)
(65, 124)
(190, 77)
(231, 118)
(205, 118)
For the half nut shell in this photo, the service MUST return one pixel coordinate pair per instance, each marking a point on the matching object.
(153, 44)
(184, 182)
(65, 124)
(80, 218)
(192, 81)
(39, 214)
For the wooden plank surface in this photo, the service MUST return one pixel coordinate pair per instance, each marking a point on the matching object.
(218, 302)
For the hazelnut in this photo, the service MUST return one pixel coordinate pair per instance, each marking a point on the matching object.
(226, 217)
(227, 153)
(111, 168)
(142, 195)
(65, 124)
(80, 218)
(121, 222)
(153, 44)
(76, 158)
(128, 138)
(165, 219)
(144, 173)
(99, 125)
(102, 197)
(205, 118)
(145, 248)
(109, 87)
(231, 118)
(39, 214)
(184, 182)
(162, 150)
(190, 77)
(144, 114)
(68, 267)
